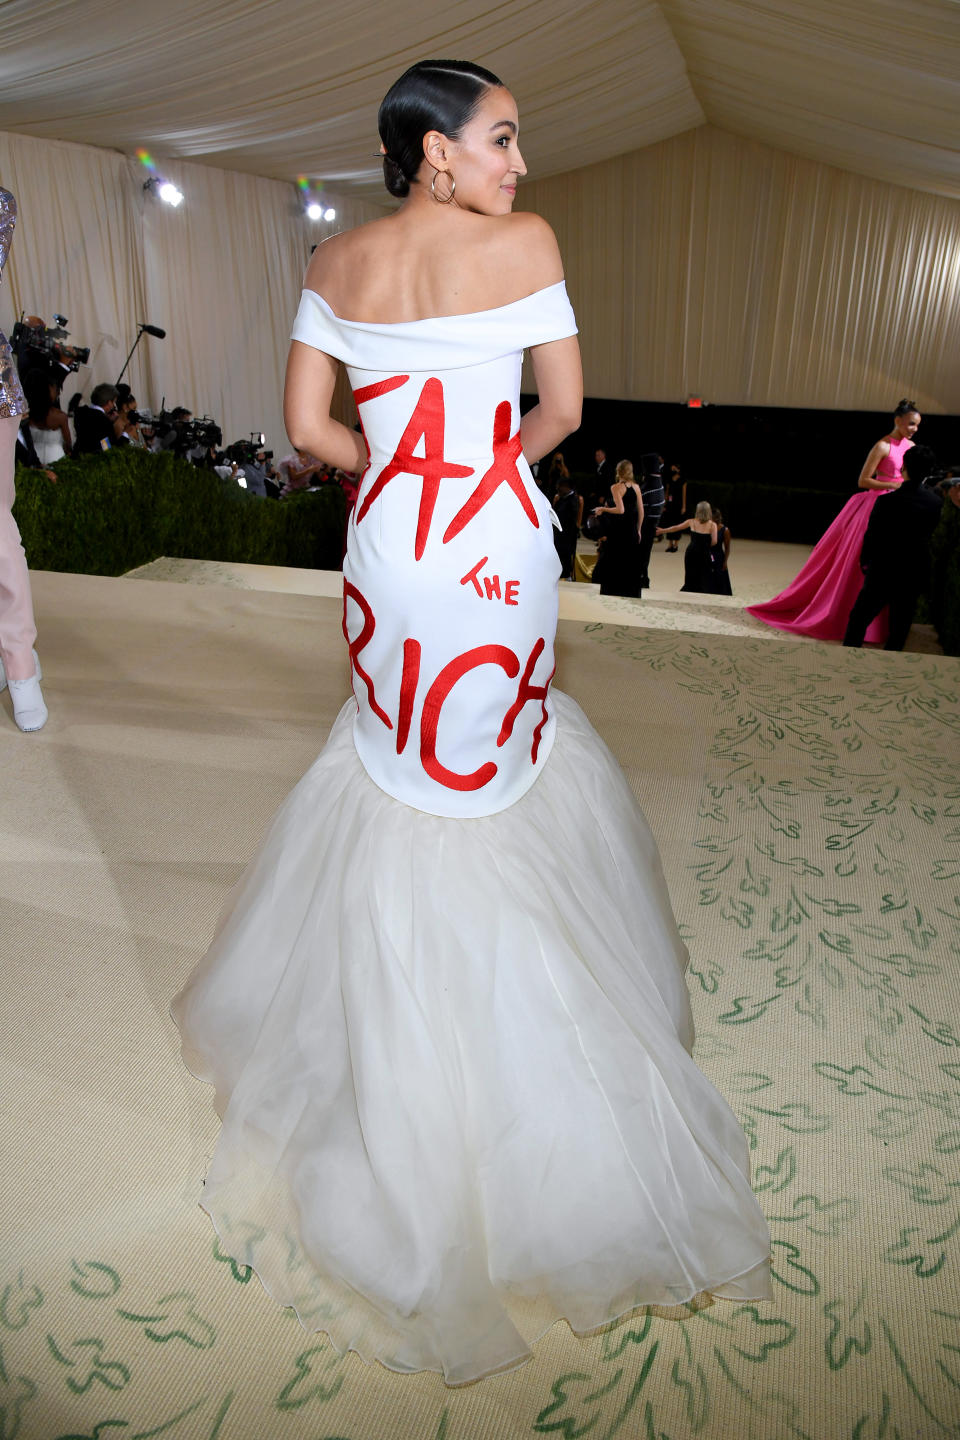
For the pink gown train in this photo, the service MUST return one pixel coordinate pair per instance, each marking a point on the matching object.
(818, 602)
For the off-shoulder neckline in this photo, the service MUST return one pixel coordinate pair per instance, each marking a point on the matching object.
(426, 319)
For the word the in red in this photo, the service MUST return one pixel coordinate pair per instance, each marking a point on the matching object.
(491, 584)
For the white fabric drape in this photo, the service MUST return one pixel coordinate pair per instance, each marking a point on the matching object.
(222, 274)
(280, 89)
(293, 88)
(717, 266)
(872, 86)
(76, 248)
(707, 264)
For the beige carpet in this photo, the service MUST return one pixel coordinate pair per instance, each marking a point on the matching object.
(807, 802)
(763, 570)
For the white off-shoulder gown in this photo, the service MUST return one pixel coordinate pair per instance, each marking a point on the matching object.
(445, 1016)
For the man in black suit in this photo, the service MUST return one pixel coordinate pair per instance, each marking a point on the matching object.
(896, 552)
(605, 476)
(97, 424)
(653, 497)
(566, 504)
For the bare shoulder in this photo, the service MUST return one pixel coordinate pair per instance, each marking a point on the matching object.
(511, 256)
(530, 239)
(341, 256)
(531, 226)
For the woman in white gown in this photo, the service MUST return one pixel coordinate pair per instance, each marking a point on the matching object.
(446, 1022)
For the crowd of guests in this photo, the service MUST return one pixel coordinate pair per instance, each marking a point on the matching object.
(626, 510)
(111, 420)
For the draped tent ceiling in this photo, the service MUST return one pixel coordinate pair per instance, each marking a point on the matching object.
(757, 202)
(280, 88)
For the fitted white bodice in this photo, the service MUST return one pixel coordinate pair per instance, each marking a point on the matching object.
(48, 445)
(450, 578)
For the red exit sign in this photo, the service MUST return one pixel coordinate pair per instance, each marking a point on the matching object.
(694, 402)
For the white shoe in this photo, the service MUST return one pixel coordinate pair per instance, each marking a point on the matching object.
(38, 673)
(29, 711)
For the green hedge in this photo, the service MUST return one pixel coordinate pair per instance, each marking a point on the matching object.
(110, 513)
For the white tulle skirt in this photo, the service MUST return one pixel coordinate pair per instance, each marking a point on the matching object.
(451, 1061)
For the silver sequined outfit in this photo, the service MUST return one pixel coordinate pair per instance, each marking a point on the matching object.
(11, 394)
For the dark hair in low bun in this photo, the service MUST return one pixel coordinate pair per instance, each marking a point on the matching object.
(905, 407)
(432, 95)
(394, 178)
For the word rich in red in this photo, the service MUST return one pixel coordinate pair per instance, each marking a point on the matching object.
(439, 689)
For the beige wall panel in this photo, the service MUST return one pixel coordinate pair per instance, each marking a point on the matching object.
(221, 274)
(715, 265)
(76, 248)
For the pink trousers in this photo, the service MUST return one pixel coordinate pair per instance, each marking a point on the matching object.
(17, 629)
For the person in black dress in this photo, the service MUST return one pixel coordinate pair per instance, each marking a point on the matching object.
(697, 561)
(675, 503)
(720, 556)
(618, 568)
(548, 480)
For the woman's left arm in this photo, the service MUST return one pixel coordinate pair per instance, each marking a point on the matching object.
(307, 397)
(616, 491)
(556, 363)
(559, 376)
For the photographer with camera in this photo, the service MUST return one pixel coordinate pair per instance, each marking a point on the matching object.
(187, 438)
(38, 347)
(255, 467)
(261, 476)
(175, 435)
(98, 425)
(130, 418)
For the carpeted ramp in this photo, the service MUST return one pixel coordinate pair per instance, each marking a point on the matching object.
(807, 802)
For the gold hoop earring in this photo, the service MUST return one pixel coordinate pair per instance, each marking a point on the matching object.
(443, 199)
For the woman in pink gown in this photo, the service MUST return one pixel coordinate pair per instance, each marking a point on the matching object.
(818, 601)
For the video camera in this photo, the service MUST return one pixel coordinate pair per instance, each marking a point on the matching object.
(47, 344)
(203, 431)
(245, 452)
